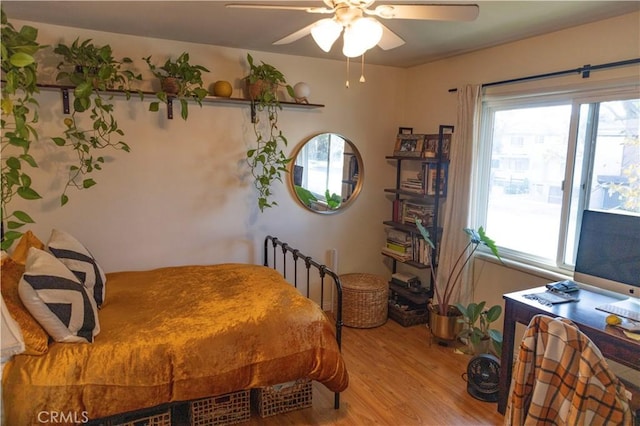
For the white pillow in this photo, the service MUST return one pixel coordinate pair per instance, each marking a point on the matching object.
(80, 261)
(57, 299)
(12, 341)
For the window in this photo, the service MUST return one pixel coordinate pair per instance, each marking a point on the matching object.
(322, 162)
(548, 158)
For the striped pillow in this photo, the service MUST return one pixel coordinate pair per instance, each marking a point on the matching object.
(57, 299)
(80, 261)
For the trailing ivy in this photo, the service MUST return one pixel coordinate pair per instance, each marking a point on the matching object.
(267, 160)
(19, 113)
(93, 71)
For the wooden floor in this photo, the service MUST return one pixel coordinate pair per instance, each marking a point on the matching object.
(397, 377)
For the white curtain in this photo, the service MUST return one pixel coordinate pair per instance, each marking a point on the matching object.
(457, 211)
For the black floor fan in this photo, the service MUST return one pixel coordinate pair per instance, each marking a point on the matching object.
(483, 372)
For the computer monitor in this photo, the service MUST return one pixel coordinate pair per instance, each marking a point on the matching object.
(608, 255)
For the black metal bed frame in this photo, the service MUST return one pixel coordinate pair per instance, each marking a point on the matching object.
(322, 270)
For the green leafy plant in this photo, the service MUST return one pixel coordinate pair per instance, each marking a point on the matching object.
(476, 238)
(19, 113)
(333, 200)
(477, 321)
(93, 71)
(305, 196)
(188, 82)
(267, 161)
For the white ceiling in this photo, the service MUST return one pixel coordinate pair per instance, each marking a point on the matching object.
(210, 22)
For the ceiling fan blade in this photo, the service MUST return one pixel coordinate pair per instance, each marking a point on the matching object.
(276, 7)
(435, 12)
(389, 40)
(295, 36)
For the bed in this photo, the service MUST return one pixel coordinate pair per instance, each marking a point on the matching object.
(178, 334)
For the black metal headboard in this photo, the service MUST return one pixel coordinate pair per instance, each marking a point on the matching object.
(322, 270)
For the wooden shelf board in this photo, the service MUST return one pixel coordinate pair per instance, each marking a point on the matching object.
(408, 262)
(207, 99)
(418, 159)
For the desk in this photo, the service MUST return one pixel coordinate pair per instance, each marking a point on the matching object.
(610, 340)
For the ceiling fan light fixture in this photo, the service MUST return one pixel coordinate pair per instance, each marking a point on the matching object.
(361, 35)
(325, 32)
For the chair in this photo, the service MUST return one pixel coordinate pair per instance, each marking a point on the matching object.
(561, 378)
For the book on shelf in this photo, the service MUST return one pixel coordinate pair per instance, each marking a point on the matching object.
(423, 252)
(405, 280)
(399, 247)
(398, 236)
(404, 277)
(412, 185)
(402, 257)
(397, 209)
(406, 211)
(432, 176)
(406, 246)
(412, 210)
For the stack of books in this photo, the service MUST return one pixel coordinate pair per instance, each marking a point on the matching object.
(412, 185)
(399, 245)
(407, 211)
(405, 280)
(422, 252)
(405, 246)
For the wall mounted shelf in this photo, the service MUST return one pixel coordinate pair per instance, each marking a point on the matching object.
(208, 99)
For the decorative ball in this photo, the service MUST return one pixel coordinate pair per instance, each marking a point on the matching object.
(301, 91)
(222, 88)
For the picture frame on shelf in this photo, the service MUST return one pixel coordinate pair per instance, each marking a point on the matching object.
(431, 146)
(409, 145)
(405, 130)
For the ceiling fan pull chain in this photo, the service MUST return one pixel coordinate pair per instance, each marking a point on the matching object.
(347, 72)
(362, 79)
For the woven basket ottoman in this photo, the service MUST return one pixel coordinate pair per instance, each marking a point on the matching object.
(364, 300)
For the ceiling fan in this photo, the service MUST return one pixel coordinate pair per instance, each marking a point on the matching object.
(361, 30)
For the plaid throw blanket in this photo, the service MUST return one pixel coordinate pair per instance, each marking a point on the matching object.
(561, 378)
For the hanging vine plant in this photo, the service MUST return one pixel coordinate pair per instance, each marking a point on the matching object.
(19, 113)
(267, 160)
(93, 71)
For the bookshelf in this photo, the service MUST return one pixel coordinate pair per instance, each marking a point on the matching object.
(420, 188)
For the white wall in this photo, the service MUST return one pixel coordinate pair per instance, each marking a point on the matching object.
(183, 195)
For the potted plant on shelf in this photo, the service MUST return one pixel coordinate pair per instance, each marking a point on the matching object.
(95, 75)
(19, 112)
(267, 160)
(263, 82)
(477, 331)
(443, 316)
(179, 79)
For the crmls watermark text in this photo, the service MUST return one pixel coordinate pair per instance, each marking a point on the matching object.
(63, 417)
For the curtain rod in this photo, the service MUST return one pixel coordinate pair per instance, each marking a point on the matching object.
(584, 70)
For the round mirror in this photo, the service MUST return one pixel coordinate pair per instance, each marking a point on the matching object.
(327, 173)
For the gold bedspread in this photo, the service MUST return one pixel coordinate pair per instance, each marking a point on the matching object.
(176, 334)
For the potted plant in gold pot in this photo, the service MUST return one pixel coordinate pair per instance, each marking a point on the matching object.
(443, 314)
